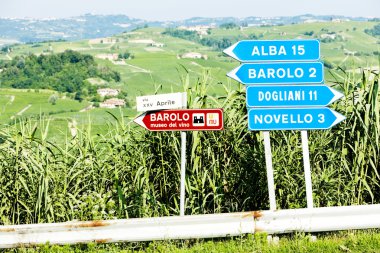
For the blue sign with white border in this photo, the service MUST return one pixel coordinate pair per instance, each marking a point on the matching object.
(279, 73)
(275, 50)
(291, 95)
(292, 118)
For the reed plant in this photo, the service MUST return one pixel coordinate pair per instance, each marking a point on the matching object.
(130, 172)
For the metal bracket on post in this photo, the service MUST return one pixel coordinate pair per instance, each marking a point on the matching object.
(268, 161)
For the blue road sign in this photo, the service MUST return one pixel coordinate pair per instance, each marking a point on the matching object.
(279, 73)
(275, 50)
(291, 95)
(292, 118)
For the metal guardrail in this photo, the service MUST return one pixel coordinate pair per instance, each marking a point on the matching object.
(197, 226)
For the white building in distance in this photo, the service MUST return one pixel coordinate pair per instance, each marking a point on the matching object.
(112, 103)
(193, 55)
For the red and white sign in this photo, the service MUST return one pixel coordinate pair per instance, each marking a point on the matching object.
(182, 120)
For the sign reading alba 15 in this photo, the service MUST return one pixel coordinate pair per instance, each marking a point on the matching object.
(182, 120)
(274, 50)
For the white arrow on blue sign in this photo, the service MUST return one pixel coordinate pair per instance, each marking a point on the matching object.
(278, 73)
(291, 95)
(292, 118)
(275, 50)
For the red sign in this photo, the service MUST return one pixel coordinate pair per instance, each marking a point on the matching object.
(182, 120)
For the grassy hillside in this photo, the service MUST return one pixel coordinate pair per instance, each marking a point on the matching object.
(155, 68)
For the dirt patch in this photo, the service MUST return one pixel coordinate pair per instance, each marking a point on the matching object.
(121, 62)
(153, 49)
(142, 41)
(91, 224)
(138, 69)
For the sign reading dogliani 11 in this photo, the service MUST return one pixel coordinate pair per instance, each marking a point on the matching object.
(275, 50)
(161, 102)
(292, 118)
(278, 73)
(291, 95)
(182, 120)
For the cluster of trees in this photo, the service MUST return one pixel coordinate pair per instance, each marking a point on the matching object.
(6, 49)
(125, 55)
(310, 33)
(216, 43)
(183, 34)
(63, 72)
(229, 25)
(375, 31)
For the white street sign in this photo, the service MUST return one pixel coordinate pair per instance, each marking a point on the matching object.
(161, 102)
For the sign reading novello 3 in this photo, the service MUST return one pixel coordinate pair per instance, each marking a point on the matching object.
(182, 120)
(278, 73)
(275, 50)
(161, 101)
(292, 118)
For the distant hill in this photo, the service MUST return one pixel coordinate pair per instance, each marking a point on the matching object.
(94, 26)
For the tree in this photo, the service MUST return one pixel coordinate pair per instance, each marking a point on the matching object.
(53, 99)
(78, 96)
(310, 33)
(375, 31)
(63, 72)
(124, 55)
(229, 25)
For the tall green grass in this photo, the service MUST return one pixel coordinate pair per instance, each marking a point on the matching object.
(130, 172)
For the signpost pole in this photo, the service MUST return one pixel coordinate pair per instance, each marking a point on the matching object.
(285, 73)
(306, 162)
(157, 117)
(183, 163)
(183, 173)
(270, 178)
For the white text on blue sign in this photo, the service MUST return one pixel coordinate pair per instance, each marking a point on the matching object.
(292, 118)
(291, 95)
(275, 50)
(279, 73)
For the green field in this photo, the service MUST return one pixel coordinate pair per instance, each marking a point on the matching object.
(35, 106)
(60, 162)
(161, 69)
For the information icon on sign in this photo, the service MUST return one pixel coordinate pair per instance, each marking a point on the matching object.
(198, 119)
(212, 119)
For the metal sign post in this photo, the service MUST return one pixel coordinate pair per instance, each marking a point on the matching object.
(306, 164)
(270, 177)
(183, 174)
(182, 120)
(183, 170)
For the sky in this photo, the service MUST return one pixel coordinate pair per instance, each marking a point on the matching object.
(161, 10)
